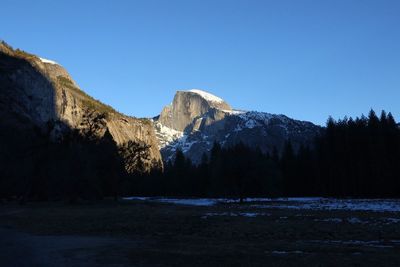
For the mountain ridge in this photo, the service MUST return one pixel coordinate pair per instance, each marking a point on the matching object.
(193, 122)
(190, 125)
(43, 93)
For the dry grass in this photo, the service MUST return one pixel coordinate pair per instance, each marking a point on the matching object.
(181, 235)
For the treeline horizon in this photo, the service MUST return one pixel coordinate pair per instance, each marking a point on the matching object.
(80, 166)
(349, 158)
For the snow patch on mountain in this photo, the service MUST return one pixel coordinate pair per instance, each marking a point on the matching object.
(172, 139)
(186, 145)
(166, 135)
(207, 96)
(218, 122)
(250, 124)
(257, 116)
(48, 61)
(233, 111)
(252, 119)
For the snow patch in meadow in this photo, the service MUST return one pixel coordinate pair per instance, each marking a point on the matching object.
(376, 205)
(362, 243)
(334, 220)
(190, 202)
(213, 201)
(354, 220)
(178, 201)
(235, 214)
(282, 252)
(391, 220)
(307, 203)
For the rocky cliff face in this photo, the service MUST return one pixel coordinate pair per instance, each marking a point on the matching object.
(187, 109)
(196, 119)
(41, 92)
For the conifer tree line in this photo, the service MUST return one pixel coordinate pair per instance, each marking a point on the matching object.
(237, 171)
(80, 166)
(350, 158)
(354, 157)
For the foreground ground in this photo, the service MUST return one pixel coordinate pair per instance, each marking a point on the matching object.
(143, 233)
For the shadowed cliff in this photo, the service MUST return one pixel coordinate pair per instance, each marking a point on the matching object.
(55, 136)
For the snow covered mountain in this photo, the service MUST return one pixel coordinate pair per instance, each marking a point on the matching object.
(196, 119)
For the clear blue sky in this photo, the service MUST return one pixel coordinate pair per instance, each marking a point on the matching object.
(306, 59)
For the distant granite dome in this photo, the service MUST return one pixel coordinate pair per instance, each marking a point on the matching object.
(189, 105)
(196, 119)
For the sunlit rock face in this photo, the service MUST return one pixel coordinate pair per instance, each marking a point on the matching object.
(188, 107)
(196, 119)
(40, 92)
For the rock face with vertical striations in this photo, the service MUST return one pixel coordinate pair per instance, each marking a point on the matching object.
(40, 92)
(196, 119)
(188, 106)
(39, 95)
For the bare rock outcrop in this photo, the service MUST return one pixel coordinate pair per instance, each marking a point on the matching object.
(188, 107)
(196, 120)
(41, 92)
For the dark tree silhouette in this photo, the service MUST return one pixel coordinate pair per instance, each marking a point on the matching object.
(136, 155)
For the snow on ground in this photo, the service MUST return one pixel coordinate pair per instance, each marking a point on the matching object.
(282, 252)
(355, 220)
(211, 201)
(48, 61)
(352, 220)
(310, 203)
(391, 220)
(260, 199)
(191, 202)
(235, 214)
(368, 243)
(207, 96)
(178, 201)
(377, 205)
(335, 220)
